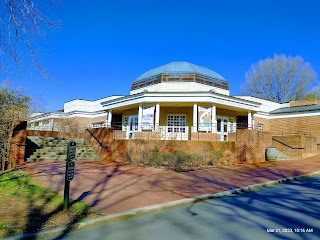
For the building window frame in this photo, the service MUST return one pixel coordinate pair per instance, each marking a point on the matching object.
(176, 123)
(260, 126)
(98, 124)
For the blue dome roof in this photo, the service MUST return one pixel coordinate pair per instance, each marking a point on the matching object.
(182, 72)
(180, 67)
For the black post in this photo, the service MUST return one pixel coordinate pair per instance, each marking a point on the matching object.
(66, 192)
(69, 175)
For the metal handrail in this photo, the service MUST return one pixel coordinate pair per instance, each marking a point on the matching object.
(106, 147)
(284, 144)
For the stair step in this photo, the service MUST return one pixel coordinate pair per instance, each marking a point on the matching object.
(50, 148)
(282, 156)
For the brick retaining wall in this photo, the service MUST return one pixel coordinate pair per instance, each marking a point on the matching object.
(296, 146)
(18, 140)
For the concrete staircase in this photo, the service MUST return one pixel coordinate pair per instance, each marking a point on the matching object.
(50, 148)
(282, 156)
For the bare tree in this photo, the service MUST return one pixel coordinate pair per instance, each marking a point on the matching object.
(314, 94)
(21, 24)
(280, 79)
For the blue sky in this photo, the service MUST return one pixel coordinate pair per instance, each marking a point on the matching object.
(103, 46)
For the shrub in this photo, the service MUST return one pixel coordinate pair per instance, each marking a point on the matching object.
(137, 152)
(182, 161)
(214, 156)
(156, 159)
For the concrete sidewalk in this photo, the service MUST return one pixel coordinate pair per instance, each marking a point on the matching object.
(113, 188)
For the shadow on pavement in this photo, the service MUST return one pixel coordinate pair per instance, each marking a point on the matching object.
(112, 188)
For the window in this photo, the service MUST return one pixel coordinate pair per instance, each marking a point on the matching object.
(218, 124)
(176, 124)
(97, 124)
(260, 127)
(232, 125)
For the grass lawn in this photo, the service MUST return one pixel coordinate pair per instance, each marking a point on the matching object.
(26, 207)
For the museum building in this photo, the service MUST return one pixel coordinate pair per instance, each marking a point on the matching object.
(181, 101)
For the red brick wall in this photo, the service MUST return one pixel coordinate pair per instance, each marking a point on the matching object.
(309, 125)
(204, 136)
(18, 137)
(55, 134)
(87, 122)
(251, 145)
(247, 146)
(120, 148)
(296, 146)
(147, 135)
(74, 122)
(101, 140)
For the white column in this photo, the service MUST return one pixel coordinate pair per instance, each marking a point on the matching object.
(140, 117)
(252, 121)
(50, 127)
(214, 119)
(222, 129)
(157, 117)
(195, 117)
(109, 118)
(249, 120)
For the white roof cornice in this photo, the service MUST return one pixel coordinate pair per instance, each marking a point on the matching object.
(207, 97)
(50, 115)
(286, 115)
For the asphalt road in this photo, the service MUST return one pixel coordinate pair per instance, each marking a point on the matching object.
(285, 211)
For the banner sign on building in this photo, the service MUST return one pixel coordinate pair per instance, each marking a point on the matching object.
(147, 118)
(204, 119)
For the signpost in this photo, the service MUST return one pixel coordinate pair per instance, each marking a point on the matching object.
(69, 175)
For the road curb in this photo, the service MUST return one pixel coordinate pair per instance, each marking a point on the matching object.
(155, 208)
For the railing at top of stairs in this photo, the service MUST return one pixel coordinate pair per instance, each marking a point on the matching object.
(287, 144)
(101, 145)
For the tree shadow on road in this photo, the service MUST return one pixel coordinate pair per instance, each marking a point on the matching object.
(113, 186)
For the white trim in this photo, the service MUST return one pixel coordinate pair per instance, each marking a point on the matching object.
(195, 117)
(179, 86)
(183, 98)
(46, 116)
(249, 120)
(132, 123)
(109, 119)
(222, 125)
(233, 124)
(261, 115)
(177, 135)
(214, 119)
(140, 117)
(157, 119)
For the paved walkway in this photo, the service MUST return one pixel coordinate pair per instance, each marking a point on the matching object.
(250, 215)
(112, 188)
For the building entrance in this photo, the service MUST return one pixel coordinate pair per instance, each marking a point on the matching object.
(223, 127)
(132, 126)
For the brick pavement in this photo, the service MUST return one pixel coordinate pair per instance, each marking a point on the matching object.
(112, 188)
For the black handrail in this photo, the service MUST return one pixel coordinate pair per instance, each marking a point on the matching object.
(21, 145)
(106, 147)
(286, 144)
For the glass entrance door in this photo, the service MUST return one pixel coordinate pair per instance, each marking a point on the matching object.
(223, 127)
(132, 126)
(177, 127)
